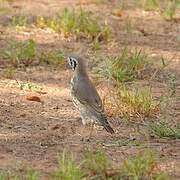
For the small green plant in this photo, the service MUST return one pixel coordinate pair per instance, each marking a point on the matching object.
(80, 25)
(88, 25)
(67, 21)
(41, 22)
(131, 103)
(95, 45)
(163, 130)
(167, 8)
(32, 175)
(140, 101)
(127, 66)
(170, 9)
(98, 2)
(121, 5)
(52, 24)
(54, 57)
(148, 5)
(44, 22)
(18, 53)
(96, 163)
(173, 84)
(3, 176)
(142, 166)
(4, 8)
(18, 21)
(129, 25)
(28, 86)
(68, 169)
(103, 35)
(8, 72)
(64, 23)
(8, 176)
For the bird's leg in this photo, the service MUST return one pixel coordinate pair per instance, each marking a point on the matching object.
(91, 130)
(82, 133)
(83, 130)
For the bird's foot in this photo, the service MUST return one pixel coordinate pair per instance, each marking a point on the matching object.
(84, 139)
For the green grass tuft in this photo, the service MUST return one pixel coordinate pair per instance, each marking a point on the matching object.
(28, 86)
(148, 5)
(19, 21)
(32, 175)
(129, 25)
(140, 101)
(169, 9)
(68, 169)
(67, 21)
(81, 24)
(9, 72)
(3, 176)
(96, 164)
(132, 103)
(142, 166)
(20, 53)
(163, 130)
(87, 24)
(127, 66)
(173, 84)
(54, 57)
(166, 8)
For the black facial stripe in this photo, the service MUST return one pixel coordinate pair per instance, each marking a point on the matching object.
(74, 65)
(73, 62)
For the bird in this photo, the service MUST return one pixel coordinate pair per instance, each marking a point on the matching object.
(85, 96)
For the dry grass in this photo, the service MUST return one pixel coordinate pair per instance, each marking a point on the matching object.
(132, 103)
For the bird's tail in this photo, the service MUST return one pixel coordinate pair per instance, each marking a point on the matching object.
(106, 125)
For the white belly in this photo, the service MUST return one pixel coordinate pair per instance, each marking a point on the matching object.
(86, 116)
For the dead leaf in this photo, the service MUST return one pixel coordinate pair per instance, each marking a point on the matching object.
(54, 127)
(117, 12)
(33, 98)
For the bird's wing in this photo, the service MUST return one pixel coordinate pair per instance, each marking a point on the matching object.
(88, 95)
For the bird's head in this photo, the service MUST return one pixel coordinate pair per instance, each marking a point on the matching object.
(76, 63)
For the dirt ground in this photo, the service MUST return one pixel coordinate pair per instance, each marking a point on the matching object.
(33, 133)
